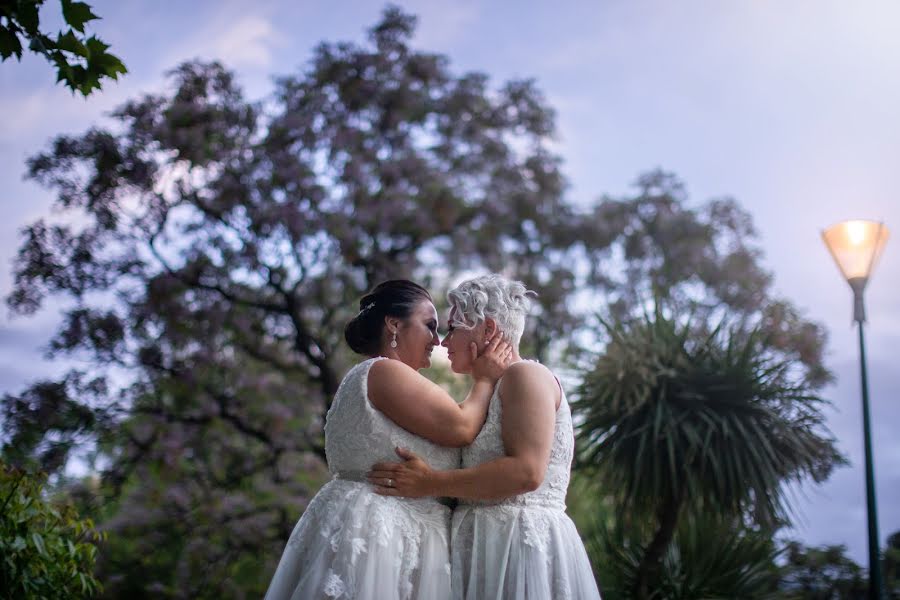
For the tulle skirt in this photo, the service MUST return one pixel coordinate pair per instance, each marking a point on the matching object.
(503, 552)
(352, 544)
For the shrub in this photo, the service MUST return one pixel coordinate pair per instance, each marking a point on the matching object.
(47, 550)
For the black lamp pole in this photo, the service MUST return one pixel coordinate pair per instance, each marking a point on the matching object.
(859, 315)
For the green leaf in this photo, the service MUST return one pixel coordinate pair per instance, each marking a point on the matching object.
(113, 67)
(77, 14)
(107, 64)
(39, 543)
(69, 42)
(95, 47)
(9, 44)
(64, 71)
(26, 13)
(39, 45)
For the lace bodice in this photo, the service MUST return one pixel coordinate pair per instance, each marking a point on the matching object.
(358, 435)
(488, 445)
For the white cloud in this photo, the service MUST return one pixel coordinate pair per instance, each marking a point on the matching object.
(245, 42)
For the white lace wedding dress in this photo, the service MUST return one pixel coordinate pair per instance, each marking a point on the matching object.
(353, 544)
(524, 547)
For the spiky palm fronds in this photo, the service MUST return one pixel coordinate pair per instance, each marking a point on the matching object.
(671, 418)
(666, 414)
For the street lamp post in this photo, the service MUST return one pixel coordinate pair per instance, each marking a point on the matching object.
(856, 246)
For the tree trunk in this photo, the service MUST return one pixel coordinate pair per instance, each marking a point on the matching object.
(667, 517)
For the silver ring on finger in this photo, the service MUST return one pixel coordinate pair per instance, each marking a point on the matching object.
(390, 483)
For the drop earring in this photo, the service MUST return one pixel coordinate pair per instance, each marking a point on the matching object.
(394, 341)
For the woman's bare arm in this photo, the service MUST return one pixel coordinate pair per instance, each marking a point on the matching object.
(530, 397)
(424, 408)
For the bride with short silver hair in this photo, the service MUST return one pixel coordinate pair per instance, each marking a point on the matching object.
(510, 535)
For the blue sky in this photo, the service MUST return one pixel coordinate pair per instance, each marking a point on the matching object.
(788, 106)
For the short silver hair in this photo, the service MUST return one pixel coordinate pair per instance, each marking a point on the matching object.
(503, 300)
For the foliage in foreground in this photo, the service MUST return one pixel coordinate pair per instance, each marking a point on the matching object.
(81, 61)
(47, 550)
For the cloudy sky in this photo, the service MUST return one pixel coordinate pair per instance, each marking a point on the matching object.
(788, 106)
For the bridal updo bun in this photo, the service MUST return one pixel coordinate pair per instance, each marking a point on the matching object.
(395, 298)
(505, 301)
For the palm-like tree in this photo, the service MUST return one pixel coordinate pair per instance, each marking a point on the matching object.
(673, 419)
(709, 557)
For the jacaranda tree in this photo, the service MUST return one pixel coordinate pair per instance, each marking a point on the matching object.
(209, 250)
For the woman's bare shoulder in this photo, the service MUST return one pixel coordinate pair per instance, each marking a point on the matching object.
(526, 375)
(528, 369)
(388, 373)
(390, 367)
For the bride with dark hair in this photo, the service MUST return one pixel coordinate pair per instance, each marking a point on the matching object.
(351, 542)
